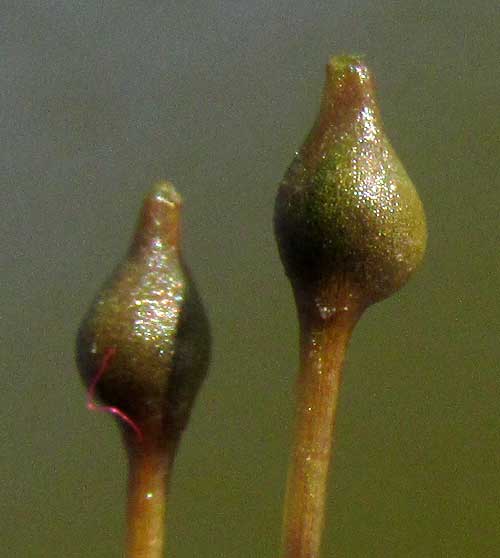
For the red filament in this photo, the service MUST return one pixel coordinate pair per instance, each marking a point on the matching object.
(109, 353)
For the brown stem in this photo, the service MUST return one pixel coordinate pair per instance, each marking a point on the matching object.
(323, 342)
(150, 466)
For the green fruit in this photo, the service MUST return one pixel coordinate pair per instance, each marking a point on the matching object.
(347, 215)
(150, 313)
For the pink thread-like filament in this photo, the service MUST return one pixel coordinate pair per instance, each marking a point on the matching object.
(91, 404)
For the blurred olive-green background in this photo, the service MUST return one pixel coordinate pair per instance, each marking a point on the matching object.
(98, 100)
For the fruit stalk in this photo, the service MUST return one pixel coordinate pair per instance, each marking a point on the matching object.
(150, 467)
(143, 350)
(323, 343)
(351, 231)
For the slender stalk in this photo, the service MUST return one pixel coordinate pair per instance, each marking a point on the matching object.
(143, 350)
(351, 230)
(323, 343)
(150, 467)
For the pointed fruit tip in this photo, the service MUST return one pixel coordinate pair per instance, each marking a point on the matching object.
(164, 192)
(161, 214)
(345, 62)
(348, 81)
(340, 67)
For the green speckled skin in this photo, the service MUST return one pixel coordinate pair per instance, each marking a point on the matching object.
(150, 311)
(346, 211)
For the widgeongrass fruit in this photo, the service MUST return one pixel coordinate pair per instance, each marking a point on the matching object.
(150, 315)
(351, 231)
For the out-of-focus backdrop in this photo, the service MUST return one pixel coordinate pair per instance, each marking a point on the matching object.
(100, 99)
